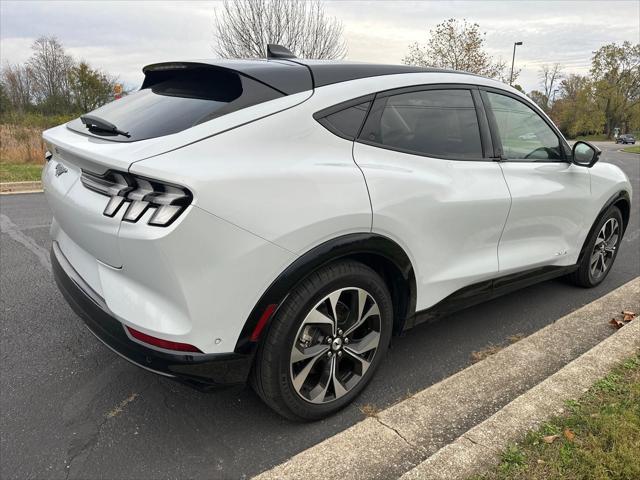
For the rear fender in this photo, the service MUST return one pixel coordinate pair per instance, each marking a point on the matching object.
(377, 251)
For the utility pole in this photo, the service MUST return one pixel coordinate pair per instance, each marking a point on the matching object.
(513, 60)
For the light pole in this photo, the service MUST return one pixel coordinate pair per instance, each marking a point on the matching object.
(513, 59)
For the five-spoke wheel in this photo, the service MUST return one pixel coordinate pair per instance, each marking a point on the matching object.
(325, 341)
(335, 345)
(604, 248)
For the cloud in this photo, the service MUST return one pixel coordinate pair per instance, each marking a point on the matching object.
(122, 37)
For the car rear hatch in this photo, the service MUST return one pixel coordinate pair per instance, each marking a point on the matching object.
(178, 104)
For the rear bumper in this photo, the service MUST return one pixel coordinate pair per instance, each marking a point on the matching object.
(198, 370)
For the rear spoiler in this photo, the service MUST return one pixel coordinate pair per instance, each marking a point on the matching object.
(285, 77)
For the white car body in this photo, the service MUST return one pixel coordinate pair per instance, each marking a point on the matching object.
(271, 184)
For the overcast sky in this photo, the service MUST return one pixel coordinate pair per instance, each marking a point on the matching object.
(122, 37)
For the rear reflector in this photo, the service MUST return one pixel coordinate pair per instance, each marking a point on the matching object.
(266, 315)
(158, 342)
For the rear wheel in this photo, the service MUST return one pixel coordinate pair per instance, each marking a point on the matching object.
(600, 251)
(325, 342)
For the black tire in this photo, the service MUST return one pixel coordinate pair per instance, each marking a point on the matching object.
(584, 276)
(272, 373)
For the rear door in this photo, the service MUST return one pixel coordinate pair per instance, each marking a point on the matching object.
(549, 193)
(425, 153)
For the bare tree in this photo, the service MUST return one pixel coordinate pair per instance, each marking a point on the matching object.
(549, 75)
(245, 27)
(16, 83)
(458, 45)
(49, 67)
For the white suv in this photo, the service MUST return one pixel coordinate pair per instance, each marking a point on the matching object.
(278, 220)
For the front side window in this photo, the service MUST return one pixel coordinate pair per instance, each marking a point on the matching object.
(525, 135)
(436, 123)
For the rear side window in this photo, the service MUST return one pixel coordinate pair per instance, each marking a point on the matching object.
(438, 123)
(174, 100)
(346, 123)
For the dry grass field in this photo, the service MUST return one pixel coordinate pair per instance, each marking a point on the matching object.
(21, 144)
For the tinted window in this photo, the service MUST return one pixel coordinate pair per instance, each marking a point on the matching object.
(439, 123)
(346, 123)
(524, 134)
(176, 100)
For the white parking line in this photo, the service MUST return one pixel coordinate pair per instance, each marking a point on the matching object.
(11, 229)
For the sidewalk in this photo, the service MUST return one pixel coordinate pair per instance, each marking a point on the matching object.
(427, 435)
(20, 187)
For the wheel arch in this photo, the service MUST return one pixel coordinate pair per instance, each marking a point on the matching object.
(378, 252)
(622, 200)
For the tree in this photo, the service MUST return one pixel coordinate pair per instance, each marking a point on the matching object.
(549, 75)
(4, 99)
(89, 88)
(539, 97)
(49, 68)
(615, 70)
(245, 27)
(576, 111)
(458, 46)
(17, 87)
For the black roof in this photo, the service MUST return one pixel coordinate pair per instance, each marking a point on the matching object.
(294, 75)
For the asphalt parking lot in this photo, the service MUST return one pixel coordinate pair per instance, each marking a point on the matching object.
(72, 409)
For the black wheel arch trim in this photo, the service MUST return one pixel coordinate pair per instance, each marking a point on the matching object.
(359, 246)
(622, 195)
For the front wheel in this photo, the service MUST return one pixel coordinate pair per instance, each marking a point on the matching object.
(600, 251)
(325, 342)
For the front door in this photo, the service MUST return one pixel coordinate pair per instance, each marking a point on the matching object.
(549, 193)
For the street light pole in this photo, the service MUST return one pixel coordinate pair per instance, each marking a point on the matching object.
(513, 59)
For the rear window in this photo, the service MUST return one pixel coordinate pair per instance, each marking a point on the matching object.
(173, 100)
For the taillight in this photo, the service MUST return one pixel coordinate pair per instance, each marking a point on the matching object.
(139, 195)
(159, 342)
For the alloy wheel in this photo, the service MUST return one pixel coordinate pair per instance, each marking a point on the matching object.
(604, 248)
(335, 345)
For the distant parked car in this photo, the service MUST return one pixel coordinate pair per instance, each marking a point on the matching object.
(626, 138)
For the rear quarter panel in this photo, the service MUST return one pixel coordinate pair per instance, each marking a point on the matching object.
(284, 178)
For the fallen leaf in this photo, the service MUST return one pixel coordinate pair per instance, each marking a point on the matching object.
(568, 434)
(616, 323)
(541, 461)
(628, 316)
(550, 438)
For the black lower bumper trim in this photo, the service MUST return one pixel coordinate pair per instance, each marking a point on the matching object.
(199, 370)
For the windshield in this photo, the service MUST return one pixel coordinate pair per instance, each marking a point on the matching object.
(172, 101)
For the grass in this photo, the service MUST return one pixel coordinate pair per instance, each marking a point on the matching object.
(634, 149)
(600, 137)
(19, 172)
(492, 348)
(21, 153)
(369, 410)
(598, 438)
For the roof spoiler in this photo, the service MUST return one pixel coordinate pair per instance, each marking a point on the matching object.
(286, 77)
(278, 51)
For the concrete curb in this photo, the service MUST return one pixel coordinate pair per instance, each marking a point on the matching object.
(20, 187)
(480, 447)
(409, 433)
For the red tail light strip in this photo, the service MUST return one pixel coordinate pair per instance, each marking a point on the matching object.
(160, 343)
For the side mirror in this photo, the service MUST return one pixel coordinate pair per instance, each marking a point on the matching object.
(585, 154)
